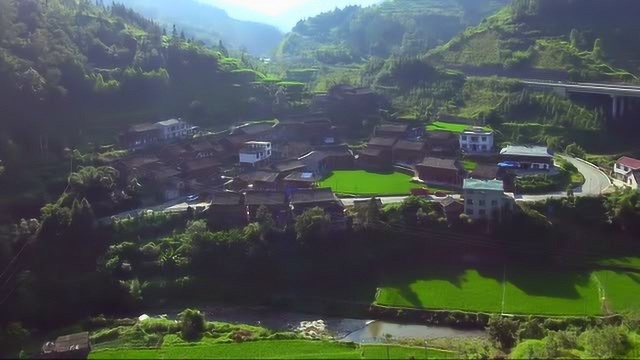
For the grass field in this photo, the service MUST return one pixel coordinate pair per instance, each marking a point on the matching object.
(272, 349)
(451, 127)
(360, 182)
(524, 291)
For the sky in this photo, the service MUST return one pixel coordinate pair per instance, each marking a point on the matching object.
(283, 14)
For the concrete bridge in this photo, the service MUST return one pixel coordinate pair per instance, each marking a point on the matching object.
(621, 95)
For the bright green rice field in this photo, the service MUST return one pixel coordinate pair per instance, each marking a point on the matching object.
(515, 291)
(271, 349)
(451, 127)
(361, 182)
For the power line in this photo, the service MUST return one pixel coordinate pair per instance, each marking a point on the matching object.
(14, 259)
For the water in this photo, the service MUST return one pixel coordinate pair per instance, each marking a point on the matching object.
(343, 329)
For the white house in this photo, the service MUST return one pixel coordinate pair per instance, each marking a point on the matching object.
(255, 152)
(174, 129)
(477, 140)
(627, 170)
(485, 199)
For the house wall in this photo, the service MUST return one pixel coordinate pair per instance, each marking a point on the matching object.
(476, 143)
(439, 176)
(485, 204)
(257, 154)
(530, 162)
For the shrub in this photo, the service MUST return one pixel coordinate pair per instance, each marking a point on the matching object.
(192, 324)
(531, 329)
(160, 326)
(283, 336)
(530, 349)
(503, 331)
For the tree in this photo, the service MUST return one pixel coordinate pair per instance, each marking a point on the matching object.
(609, 342)
(264, 218)
(372, 215)
(503, 331)
(598, 51)
(312, 224)
(192, 324)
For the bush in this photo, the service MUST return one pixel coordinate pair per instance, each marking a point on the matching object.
(105, 335)
(160, 326)
(503, 331)
(531, 329)
(284, 336)
(192, 325)
(530, 349)
(608, 342)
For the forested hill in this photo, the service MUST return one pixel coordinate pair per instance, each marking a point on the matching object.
(69, 69)
(590, 39)
(406, 27)
(210, 24)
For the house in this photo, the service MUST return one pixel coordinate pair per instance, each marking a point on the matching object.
(477, 140)
(227, 209)
(627, 170)
(233, 143)
(141, 135)
(74, 346)
(382, 142)
(173, 153)
(441, 143)
(485, 199)
(261, 130)
(201, 149)
(174, 129)
(134, 166)
(315, 162)
(440, 171)
(313, 128)
(391, 130)
(274, 201)
(301, 180)
(410, 152)
(304, 199)
(339, 158)
(286, 167)
(291, 149)
(452, 208)
(200, 168)
(258, 180)
(528, 157)
(375, 158)
(255, 153)
(486, 172)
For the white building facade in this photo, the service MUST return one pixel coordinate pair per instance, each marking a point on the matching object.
(255, 152)
(174, 129)
(627, 170)
(486, 199)
(477, 140)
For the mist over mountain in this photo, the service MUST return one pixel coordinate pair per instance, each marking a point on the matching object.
(210, 24)
(284, 14)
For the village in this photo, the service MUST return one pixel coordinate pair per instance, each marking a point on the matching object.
(281, 164)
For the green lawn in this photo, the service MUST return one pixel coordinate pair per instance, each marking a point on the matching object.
(271, 349)
(526, 291)
(451, 127)
(360, 182)
(621, 289)
(469, 165)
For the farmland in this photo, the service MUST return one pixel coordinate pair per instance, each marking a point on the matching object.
(451, 127)
(360, 182)
(513, 290)
(271, 349)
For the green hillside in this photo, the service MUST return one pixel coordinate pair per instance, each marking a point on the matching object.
(589, 39)
(394, 27)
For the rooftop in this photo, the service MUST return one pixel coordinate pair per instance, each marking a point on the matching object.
(313, 157)
(72, 342)
(201, 146)
(169, 122)
(382, 141)
(257, 198)
(259, 175)
(492, 185)
(139, 161)
(393, 128)
(309, 196)
(302, 177)
(253, 129)
(536, 151)
(200, 164)
(409, 145)
(226, 198)
(441, 135)
(633, 164)
(142, 127)
(440, 163)
(477, 130)
(484, 171)
(289, 165)
(372, 151)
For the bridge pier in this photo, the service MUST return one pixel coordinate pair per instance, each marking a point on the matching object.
(615, 107)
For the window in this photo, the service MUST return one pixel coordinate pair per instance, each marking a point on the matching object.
(536, 166)
(626, 168)
(484, 138)
(483, 203)
(484, 147)
(483, 212)
(464, 146)
(464, 138)
(470, 212)
(494, 203)
(619, 166)
(470, 202)
(474, 139)
(257, 156)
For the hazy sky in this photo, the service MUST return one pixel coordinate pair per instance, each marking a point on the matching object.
(282, 13)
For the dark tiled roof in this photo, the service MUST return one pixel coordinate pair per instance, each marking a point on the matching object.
(382, 141)
(439, 163)
(309, 196)
(259, 175)
(226, 198)
(410, 145)
(313, 158)
(142, 127)
(139, 161)
(302, 176)
(257, 198)
(72, 342)
(200, 164)
(202, 146)
(441, 135)
(633, 164)
(484, 171)
(163, 171)
(393, 128)
(450, 203)
(372, 151)
(289, 165)
(253, 129)
(173, 149)
(364, 204)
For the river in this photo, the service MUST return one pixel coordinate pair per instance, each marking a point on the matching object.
(343, 329)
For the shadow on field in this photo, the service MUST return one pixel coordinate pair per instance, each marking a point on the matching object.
(559, 283)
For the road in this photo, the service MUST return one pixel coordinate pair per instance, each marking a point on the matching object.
(596, 184)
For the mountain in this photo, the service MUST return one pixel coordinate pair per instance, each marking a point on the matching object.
(586, 39)
(405, 27)
(210, 24)
(283, 14)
